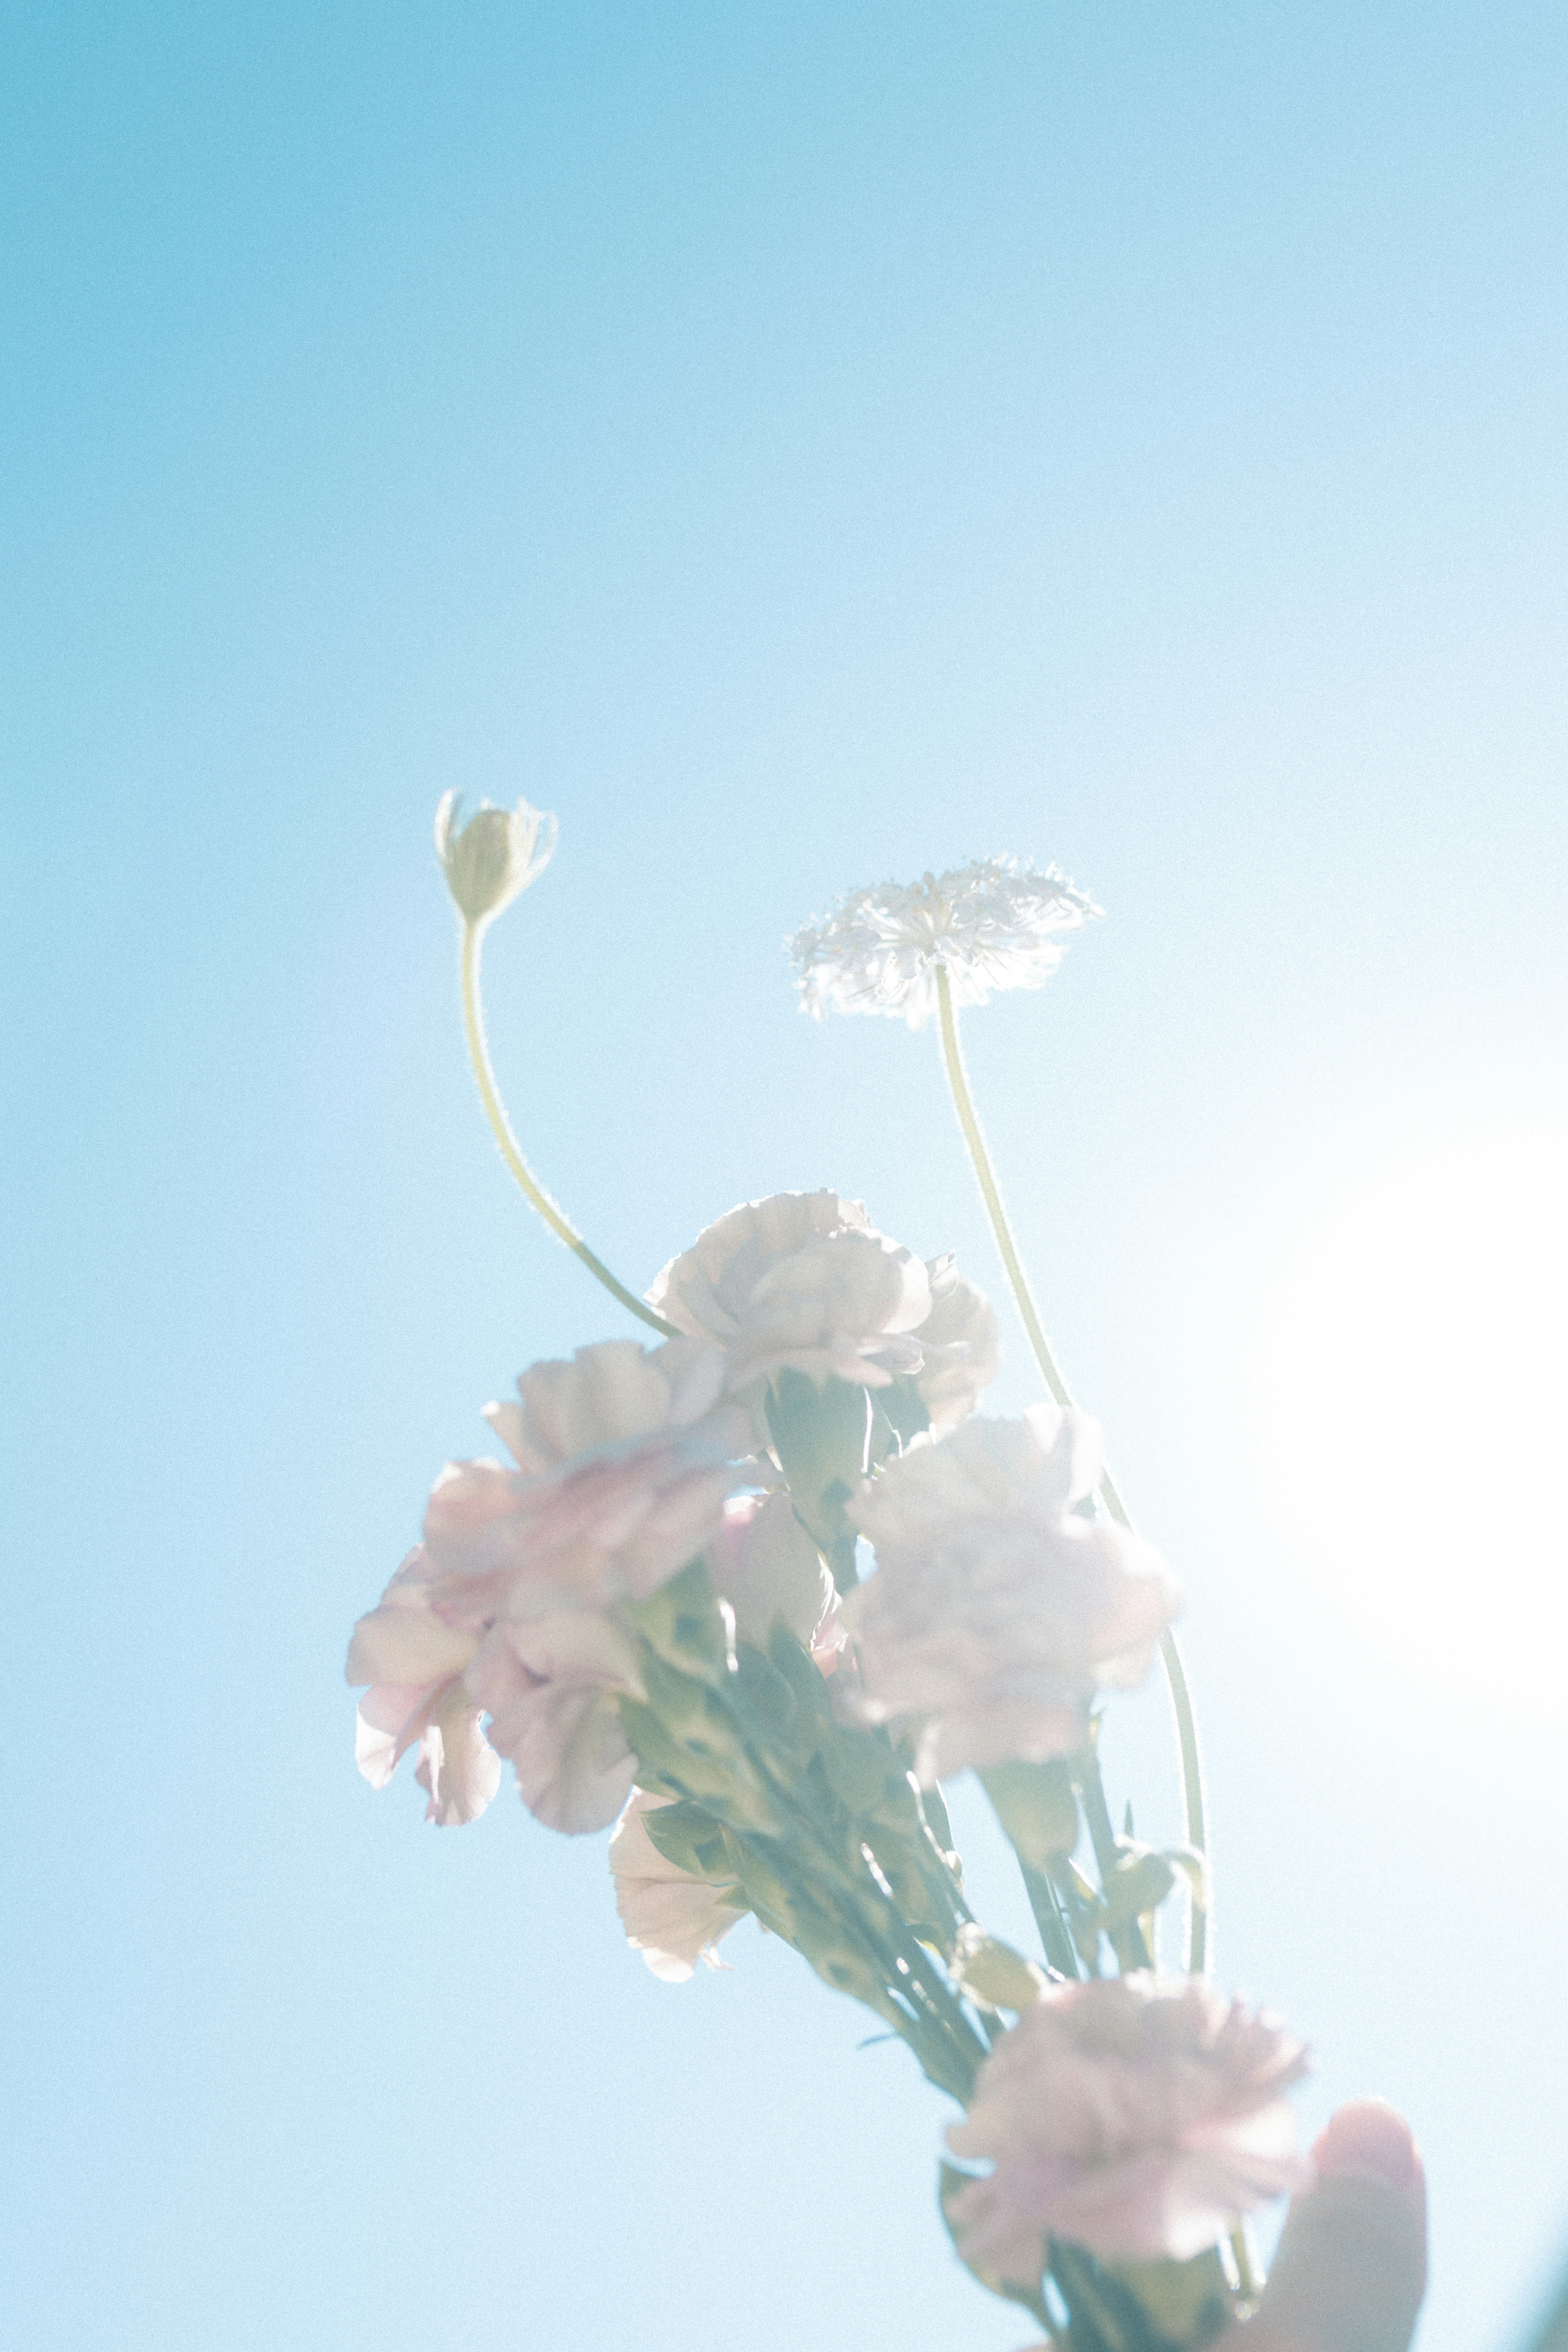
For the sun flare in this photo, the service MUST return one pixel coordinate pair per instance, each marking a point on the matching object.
(1411, 1404)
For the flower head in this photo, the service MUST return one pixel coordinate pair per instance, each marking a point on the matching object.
(625, 1467)
(551, 1683)
(804, 1281)
(625, 1457)
(993, 924)
(997, 1610)
(1138, 2118)
(672, 1918)
(494, 856)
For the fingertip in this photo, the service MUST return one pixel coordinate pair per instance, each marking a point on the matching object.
(1351, 2268)
(1369, 2135)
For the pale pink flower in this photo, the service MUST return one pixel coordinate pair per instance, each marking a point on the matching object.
(1134, 2117)
(803, 1281)
(959, 1346)
(414, 1661)
(997, 1610)
(672, 1918)
(626, 1466)
(553, 1684)
(767, 1568)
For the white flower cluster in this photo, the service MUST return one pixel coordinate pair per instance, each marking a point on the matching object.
(992, 925)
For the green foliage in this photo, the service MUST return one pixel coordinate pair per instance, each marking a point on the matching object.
(815, 1825)
(1143, 2306)
(1035, 1805)
(993, 1972)
(1184, 2304)
(821, 1433)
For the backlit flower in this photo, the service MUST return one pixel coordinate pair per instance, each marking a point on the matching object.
(414, 1661)
(997, 1610)
(1138, 2118)
(624, 1468)
(493, 857)
(552, 1684)
(804, 1281)
(994, 924)
(671, 1918)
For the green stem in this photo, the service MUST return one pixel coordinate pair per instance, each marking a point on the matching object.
(1251, 2285)
(1170, 1654)
(500, 1128)
(1127, 1941)
(1055, 1933)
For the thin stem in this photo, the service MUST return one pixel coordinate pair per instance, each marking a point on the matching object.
(1055, 1933)
(1170, 1655)
(1250, 2285)
(1128, 1940)
(500, 1128)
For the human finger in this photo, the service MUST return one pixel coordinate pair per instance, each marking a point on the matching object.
(1350, 2267)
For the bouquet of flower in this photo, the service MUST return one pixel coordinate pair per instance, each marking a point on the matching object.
(751, 1594)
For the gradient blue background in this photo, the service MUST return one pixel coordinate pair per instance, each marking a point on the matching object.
(799, 445)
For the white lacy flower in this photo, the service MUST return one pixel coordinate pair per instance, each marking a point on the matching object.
(997, 1610)
(1138, 2118)
(805, 1281)
(673, 1919)
(992, 925)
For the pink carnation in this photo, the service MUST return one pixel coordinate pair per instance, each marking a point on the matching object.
(672, 1918)
(997, 1610)
(804, 1282)
(1137, 2119)
(553, 1684)
(413, 1659)
(624, 1467)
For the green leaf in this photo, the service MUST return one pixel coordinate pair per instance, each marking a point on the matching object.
(682, 1624)
(900, 1410)
(855, 1765)
(1139, 1882)
(1035, 1805)
(690, 1837)
(790, 1658)
(1002, 1978)
(1186, 2305)
(821, 1433)
(719, 1777)
(766, 1697)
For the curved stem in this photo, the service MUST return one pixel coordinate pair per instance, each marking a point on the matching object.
(1170, 1655)
(500, 1128)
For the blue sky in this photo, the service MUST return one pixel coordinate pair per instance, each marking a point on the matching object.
(798, 445)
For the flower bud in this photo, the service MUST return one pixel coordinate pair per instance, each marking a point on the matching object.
(495, 855)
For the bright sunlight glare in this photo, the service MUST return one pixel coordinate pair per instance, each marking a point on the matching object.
(1410, 1409)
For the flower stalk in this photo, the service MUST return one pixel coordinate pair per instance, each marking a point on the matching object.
(507, 1143)
(1170, 1653)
